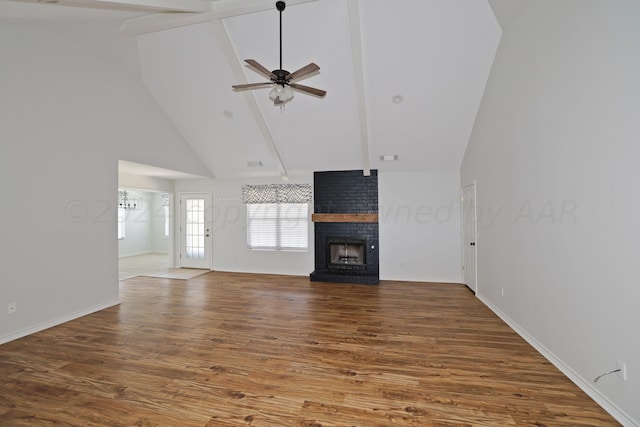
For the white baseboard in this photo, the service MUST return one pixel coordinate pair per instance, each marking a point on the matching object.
(584, 385)
(55, 322)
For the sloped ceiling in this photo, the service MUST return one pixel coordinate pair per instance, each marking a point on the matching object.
(506, 11)
(403, 78)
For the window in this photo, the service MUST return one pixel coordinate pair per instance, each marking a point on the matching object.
(165, 209)
(195, 226)
(164, 198)
(277, 216)
(122, 217)
(278, 226)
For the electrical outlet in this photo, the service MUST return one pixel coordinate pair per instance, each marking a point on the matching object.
(12, 308)
(622, 373)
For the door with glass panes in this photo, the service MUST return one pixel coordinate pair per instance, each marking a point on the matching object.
(195, 230)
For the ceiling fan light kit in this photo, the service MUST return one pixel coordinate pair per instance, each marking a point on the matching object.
(282, 81)
(280, 94)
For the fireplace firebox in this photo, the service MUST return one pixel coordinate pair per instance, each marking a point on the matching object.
(346, 254)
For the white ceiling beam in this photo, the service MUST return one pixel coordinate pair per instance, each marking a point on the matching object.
(161, 21)
(227, 8)
(234, 63)
(217, 10)
(358, 74)
(166, 5)
(505, 11)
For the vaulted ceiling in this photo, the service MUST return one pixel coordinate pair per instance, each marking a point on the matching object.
(403, 78)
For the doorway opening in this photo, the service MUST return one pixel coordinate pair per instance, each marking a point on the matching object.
(145, 238)
(469, 237)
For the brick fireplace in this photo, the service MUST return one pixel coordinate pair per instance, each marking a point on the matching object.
(346, 227)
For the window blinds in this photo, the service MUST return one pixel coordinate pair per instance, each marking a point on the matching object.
(277, 216)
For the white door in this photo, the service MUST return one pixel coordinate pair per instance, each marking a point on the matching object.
(469, 237)
(195, 230)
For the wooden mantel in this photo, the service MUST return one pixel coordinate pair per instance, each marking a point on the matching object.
(344, 218)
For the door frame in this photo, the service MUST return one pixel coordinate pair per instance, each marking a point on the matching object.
(208, 223)
(474, 212)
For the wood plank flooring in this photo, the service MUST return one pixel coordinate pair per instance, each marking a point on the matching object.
(227, 349)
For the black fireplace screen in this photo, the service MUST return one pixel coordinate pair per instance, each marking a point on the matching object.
(346, 254)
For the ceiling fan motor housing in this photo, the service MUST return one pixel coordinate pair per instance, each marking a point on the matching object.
(280, 77)
(280, 5)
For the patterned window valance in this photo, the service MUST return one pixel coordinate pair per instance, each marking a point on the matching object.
(276, 193)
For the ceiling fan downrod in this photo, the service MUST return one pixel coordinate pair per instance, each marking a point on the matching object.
(280, 5)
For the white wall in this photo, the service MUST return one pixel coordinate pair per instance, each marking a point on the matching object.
(229, 215)
(71, 107)
(137, 227)
(144, 227)
(159, 243)
(555, 154)
(145, 182)
(419, 215)
(419, 227)
(157, 240)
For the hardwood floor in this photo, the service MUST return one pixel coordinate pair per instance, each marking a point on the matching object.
(228, 349)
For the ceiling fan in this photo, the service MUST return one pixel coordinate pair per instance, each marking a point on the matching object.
(282, 80)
